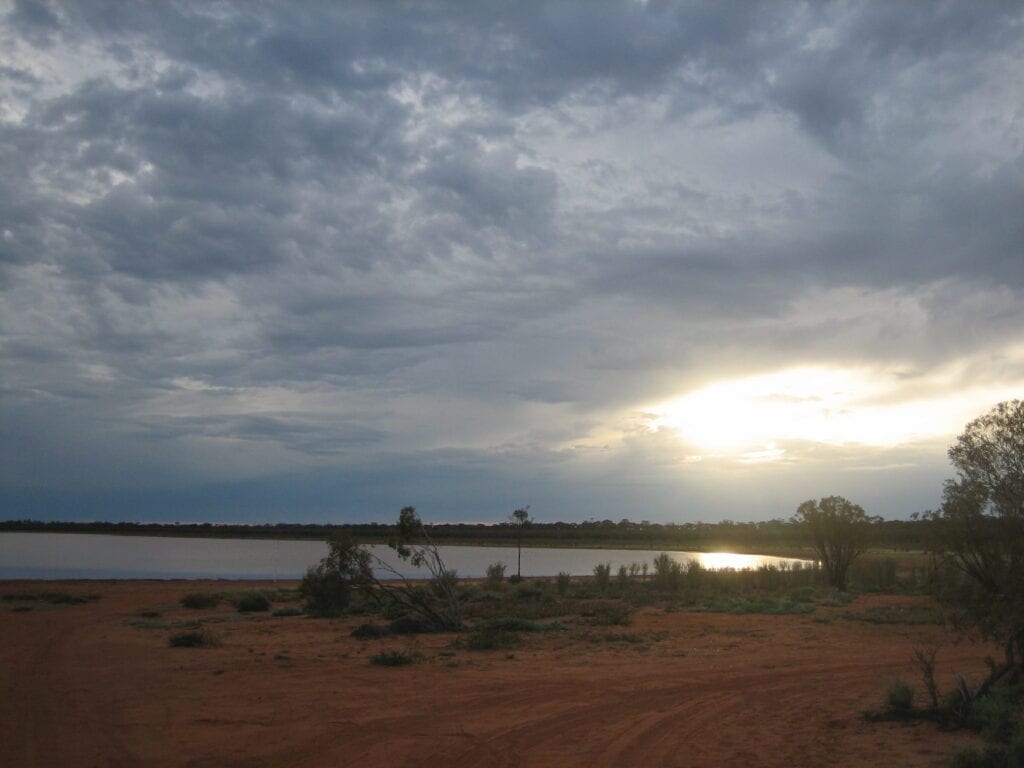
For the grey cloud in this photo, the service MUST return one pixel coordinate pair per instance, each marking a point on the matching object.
(540, 214)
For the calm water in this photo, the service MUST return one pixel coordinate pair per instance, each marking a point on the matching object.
(96, 556)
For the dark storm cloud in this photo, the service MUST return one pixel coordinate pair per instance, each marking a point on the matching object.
(255, 239)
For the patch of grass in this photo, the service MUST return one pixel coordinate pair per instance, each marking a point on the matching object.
(516, 624)
(606, 614)
(197, 639)
(899, 696)
(890, 614)
(52, 598)
(156, 624)
(490, 640)
(751, 604)
(289, 610)
(370, 631)
(200, 600)
(392, 659)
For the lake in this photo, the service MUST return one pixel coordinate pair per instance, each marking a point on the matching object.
(99, 556)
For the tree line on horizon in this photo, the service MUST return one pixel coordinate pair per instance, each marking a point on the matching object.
(771, 534)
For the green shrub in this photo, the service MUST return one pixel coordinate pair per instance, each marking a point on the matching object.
(602, 576)
(490, 639)
(562, 583)
(515, 624)
(607, 614)
(899, 696)
(197, 639)
(289, 610)
(252, 602)
(200, 600)
(327, 586)
(495, 574)
(391, 659)
(54, 598)
(667, 572)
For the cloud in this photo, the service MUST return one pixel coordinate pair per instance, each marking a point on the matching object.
(470, 244)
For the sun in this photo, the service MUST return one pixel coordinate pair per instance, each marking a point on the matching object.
(751, 418)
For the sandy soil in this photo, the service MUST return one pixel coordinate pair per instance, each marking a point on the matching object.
(83, 687)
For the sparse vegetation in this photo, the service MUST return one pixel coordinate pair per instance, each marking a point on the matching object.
(839, 532)
(194, 639)
(495, 575)
(51, 598)
(392, 659)
(201, 600)
(252, 602)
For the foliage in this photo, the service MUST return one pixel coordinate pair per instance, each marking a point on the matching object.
(369, 631)
(495, 574)
(197, 639)
(562, 582)
(198, 600)
(519, 520)
(436, 606)
(899, 696)
(288, 610)
(978, 535)
(392, 659)
(490, 639)
(328, 586)
(602, 576)
(667, 572)
(53, 598)
(838, 529)
(252, 602)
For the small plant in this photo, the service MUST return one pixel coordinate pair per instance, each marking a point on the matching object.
(196, 639)
(391, 659)
(487, 639)
(562, 583)
(289, 610)
(253, 602)
(199, 600)
(602, 576)
(899, 697)
(926, 663)
(370, 631)
(495, 574)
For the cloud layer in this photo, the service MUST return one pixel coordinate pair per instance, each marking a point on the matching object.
(318, 261)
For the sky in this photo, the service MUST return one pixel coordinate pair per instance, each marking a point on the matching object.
(662, 261)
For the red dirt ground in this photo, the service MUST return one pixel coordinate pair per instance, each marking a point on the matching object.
(82, 687)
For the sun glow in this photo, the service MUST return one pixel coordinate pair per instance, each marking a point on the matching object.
(752, 418)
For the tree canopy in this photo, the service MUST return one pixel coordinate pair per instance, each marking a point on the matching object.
(979, 532)
(838, 529)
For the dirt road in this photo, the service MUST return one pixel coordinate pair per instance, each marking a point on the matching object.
(98, 685)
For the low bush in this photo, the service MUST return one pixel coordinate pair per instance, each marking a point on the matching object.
(899, 697)
(602, 576)
(562, 583)
(495, 575)
(370, 631)
(198, 600)
(289, 610)
(490, 639)
(197, 639)
(252, 602)
(53, 598)
(606, 614)
(392, 659)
